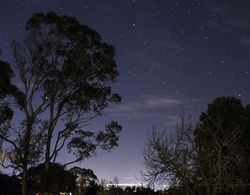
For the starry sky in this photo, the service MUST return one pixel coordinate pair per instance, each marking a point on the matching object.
(172, 55)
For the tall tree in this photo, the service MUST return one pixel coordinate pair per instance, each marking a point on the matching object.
(222, 141)
(65, 70)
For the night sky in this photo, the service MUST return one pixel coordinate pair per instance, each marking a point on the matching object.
(172, 55)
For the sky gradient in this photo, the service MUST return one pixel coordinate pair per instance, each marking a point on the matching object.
(172, 55)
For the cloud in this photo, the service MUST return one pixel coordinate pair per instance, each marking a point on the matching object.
(129, 178)
(161, 102)
(148, 103)
(156, 108)
(149, 107)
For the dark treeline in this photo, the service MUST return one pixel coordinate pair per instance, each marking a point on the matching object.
(65, 181)
(114, 190)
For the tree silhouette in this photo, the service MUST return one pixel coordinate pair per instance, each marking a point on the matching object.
(211, 158)
(6, 113)
(169, 157)
(85, 179)
(222, 140)
(65, 71)
(9, 185)
(57, 180)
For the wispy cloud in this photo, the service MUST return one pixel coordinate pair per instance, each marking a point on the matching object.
(155, 108)
(161, 102)
(150, 107)
(129, 178)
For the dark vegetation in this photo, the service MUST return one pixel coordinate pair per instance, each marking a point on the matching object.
(63, 73)
(9, 185)
(212, 157)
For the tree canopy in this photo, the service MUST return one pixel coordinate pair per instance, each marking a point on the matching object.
(222, 140)
(64, 71)
(211, 157)
(59, 179)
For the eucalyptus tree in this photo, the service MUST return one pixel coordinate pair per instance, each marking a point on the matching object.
(64, 71)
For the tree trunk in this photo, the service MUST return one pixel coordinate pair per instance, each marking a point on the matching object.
(47, 152)
(47, 159)
(50, 131)
(26, 155)
(24, 181)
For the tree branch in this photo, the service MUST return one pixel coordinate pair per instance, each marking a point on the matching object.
(9, 141)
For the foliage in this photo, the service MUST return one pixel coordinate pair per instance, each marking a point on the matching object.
(71, 67)
(65, 72)
(83, 175)
(58, 180)
(210, 158)
(222, 140)
(85, 179)
(6, 113)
